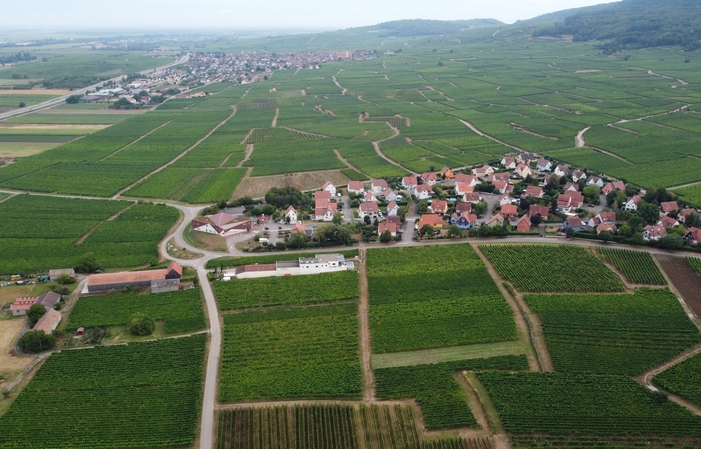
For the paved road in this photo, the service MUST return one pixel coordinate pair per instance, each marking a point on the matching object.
(62, 99)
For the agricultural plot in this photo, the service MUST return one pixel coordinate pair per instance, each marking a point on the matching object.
(613, 334)
(683, 379)
(181, 310)
(159, 382)
(434, 297)
(274, 291)
(192, 185)
(228, 262)
(315, 354)
(550, 268)
(692, 194)
(293, 156)
(637, 266)
(340, 426)
(695, 263)
(129, 240)
(565, 404)
(436, 389)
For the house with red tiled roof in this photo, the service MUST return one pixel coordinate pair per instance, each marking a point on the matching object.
(653, 232)
(602, 217)
(575, 223)
(571, 187)
(322, 195)
(409, 182)
(667, 222)
(534, 192)
(669, 206)
(543, 211)
(48, 322)
(562, 170)
(693, 236)
(22, 305)
(570, 200)
(329, 187)
(496, 220)
(684, 214)
(439, 207)
(470, 180)
(117, 281)
(473, 197)
(356, 187)
(432, 220)
(508, 163)
(510, 211)
(463, 208)
(544, 165)
(505, 199)
(368, 210)
(461, 188)
(523, 171)
(389, 195)
(524, 224)
(429, 178)
(577, 175)
(423, 192)
(369, 197)
(391, 227)
(299, 228)
(632, 203)
(394, 219)
(464, 221)
(595, 180)
(483, 171)
(500, 186)
(612, 186)
(610, 227)
(392, 209)
(378, 186)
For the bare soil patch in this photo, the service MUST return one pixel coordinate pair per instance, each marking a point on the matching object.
(36, 92)
(54, 127)
(10, 364)
(684, 279)
(95, 111)
(19, 149)
(257, 187)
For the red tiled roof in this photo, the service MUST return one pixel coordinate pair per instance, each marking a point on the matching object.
(391, 227)
(430, 219)
(669, 206)
(509, 209)
(48, 321)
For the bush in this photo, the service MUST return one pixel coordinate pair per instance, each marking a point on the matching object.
(36, 311)
(65, 279)
(140, 324)
(36, 341)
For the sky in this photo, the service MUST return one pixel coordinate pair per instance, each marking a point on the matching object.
(266, 14)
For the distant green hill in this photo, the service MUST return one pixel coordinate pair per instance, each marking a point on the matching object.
(420, 27)
(562, 15)
(634, 24)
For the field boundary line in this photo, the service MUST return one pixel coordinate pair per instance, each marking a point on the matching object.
(342, 159)
(12, 195)
(490, 410)
(174, 160)
(473, 401)
(430, 356)
(343, 89)
(132, 143)
(246, 156)
(112, 218)
(277, 114)
(480, 133)
(376, 145)
(364, 329)
(528, 325)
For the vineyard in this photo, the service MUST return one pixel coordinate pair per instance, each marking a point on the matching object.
(329, 426)
(637, 266)
(127, 241)
(395, 121)
(683, 379)
(695, 263)
(274, 291)
(148, 392)
(613, 334)
(291, 353)
(181, 310)
(434, 297)
(565, 404)
(550, 268)
(436, 390)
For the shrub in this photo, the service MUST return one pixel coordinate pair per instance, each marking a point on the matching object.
(36, 341)
(140, 324)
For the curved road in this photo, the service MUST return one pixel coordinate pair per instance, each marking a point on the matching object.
(62, 99)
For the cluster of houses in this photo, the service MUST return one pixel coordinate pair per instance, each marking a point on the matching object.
(50, 320)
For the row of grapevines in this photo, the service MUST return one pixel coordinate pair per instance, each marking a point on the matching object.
(637, 266)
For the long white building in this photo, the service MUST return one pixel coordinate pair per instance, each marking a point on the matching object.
(320, 263)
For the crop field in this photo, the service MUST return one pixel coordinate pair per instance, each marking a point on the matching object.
(564, 404)
(434, 297)
(613, 334)
(159, 382)
(70, 119)
(274, 291)
(315, 351)
(192, 185)
(695, 263)
(437, 391)
(129, 240)
(637, 266)
(181, 310)
(683, 379)
(331, 426)
(29, 99)
(550, 268)
(685, 278)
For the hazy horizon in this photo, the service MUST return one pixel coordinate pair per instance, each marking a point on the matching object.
(303, 15)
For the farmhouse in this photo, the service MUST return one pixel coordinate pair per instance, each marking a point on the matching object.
(320, 263)
(21, 305)
(464, 221)
(432, 220)
(222, 224)
(356, 187)
(409, 182)
(653, 232)
(117, 281)
(54, 274)
(329, 187)
(391, 227)
(48, 322)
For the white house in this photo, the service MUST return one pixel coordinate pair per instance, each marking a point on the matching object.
(562, 170)
(509, 163)
(653, 233)
(461, 188)
(378, 186)
(370, 198)
(291, 215)
(392, 209)
(577, 175)
(423, 192)
(632, 203)
(389, 195)
(324, 213)
(523, 171)
(504, 199)
(595, 180)
(483, 171)
(328, 187)
(368, 210)
(409, 182)
(356, 187)
(544, 165)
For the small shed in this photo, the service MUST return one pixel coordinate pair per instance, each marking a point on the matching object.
(54, 274)
(165, 285)
(80, 331)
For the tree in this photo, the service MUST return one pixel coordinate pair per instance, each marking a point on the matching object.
(423, 207)
(454, 231)
(324, 233)
(386, 237)
(297, 240)
(569, 233)
(637, 239)
(427, 230)
(649, 212)
(35, 312)
(22, 104)
(87, 263)
(625, 231)
(366, 219)
(672, 241)
(536, 220)
(606, 236)
(344, 234)
(74, 99)
(65, 279)
(36, 341)
(592, 194)
(338, 219)
(141, 324)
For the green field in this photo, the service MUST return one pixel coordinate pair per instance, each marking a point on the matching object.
(682, 379)
(638, 267)
(613, 334)
(434, 297)
(71, 119)
(149, 392)
(13, 100)
(181, 310)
